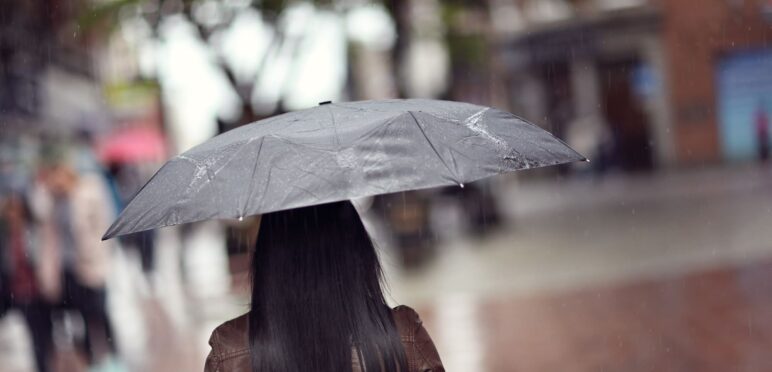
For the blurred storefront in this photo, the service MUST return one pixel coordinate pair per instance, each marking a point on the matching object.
(632, 81)
(717, 30)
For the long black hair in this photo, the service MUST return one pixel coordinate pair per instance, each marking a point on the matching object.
(317, 302)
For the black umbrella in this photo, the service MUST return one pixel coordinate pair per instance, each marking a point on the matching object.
(338, 151)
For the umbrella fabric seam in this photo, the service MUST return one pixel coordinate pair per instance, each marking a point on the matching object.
(334, 127)
(415, 120)
(245, 209)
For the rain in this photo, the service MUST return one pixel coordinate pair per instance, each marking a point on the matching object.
(571, 185)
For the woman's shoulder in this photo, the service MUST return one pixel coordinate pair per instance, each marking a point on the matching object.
(234, 335)
(230, 342)
(231, 337)
(405, 312)
(230, 346)
(407, 321)
(421, 353)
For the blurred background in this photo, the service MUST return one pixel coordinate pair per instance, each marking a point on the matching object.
(655, 256)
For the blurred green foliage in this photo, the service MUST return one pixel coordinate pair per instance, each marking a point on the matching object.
(104, 13)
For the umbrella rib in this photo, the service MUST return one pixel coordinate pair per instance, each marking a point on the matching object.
(334, 127)
(316, 176)
(267, 183)
(452, 120)
(379, 126)
(453, 159)
(309, 192)
(415, 120)
(252, 179)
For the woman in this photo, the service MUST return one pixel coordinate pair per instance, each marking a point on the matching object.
(317, 303)
(73, 264)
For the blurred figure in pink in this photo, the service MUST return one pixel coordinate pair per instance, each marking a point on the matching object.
(74, 209)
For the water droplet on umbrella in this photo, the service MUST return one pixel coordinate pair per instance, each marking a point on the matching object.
(461, 185)
(241, 218)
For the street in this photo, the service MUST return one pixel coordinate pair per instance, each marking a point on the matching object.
(663, 272)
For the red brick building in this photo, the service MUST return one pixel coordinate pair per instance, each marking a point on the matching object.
(647, 71)
(696, 34)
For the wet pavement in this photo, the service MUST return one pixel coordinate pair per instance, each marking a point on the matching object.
(712, 320)
(635, 273)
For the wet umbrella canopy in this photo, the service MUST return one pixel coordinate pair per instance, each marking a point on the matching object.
(338, 151)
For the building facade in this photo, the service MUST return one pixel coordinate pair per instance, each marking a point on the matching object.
(647, 84)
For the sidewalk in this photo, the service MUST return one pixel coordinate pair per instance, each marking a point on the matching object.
(577, 233)
(668, 272)
(709, 321)
(650, 265)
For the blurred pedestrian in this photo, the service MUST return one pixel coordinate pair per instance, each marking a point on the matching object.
(590, 135)
(20, 287)
(74, 209)
(128, 180)
(407, 217)
(762, 132)
(317, 303)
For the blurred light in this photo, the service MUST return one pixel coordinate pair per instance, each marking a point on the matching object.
(308, 66)
(138, 34)
(294, 20)
(426, 62)
(372, 26)
(244, 43)
(427, 68)
(271, 81)
(320, 70)
(209, 13)
(196, 90)
(147, 56)
(135, 30)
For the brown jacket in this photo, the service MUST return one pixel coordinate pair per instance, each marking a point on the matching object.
(230, 345)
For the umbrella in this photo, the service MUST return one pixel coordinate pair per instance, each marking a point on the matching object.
(132, 145)
(338, 151)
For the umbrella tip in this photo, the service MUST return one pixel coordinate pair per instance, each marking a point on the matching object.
(324, 103)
